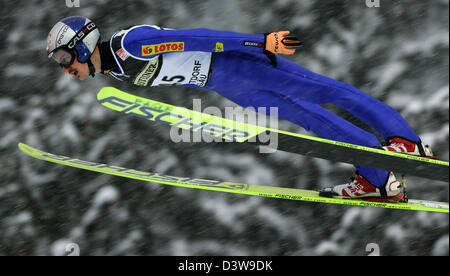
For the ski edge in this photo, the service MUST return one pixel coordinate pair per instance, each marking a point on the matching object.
(228, 187)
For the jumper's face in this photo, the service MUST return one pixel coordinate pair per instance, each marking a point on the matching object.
(79, 70)
(69, 63)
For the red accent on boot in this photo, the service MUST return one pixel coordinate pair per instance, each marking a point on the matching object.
(358, 187)
(401, 145)
(405, 146)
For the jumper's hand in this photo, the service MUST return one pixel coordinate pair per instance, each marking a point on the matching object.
(282, 43)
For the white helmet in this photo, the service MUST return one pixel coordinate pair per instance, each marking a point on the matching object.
(72, 34)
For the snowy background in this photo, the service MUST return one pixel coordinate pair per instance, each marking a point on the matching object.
(398, 53)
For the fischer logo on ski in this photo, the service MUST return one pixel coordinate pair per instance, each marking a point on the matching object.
(171, 116)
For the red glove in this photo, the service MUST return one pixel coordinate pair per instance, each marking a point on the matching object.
(282, 43)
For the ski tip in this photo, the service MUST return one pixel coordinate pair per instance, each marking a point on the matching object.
(25, 148)
(29, 150)
(103, 91)
(106, 89)
(21, 146)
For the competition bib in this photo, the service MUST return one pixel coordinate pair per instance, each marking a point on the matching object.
(184, 68)
(173, 66)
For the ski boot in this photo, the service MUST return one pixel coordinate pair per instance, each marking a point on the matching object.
(401, 145)
(360, 188)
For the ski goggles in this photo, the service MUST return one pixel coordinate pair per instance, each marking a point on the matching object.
(64, 57)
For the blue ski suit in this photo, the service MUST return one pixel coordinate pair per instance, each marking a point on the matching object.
(235, 66)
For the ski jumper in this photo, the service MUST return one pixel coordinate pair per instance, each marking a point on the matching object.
(236, 66)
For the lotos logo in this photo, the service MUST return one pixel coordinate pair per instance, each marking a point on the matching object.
(154, 49)
(146, 50)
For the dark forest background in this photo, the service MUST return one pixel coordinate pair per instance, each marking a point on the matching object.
(398, 53)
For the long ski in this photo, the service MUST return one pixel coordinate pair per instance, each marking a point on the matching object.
(230, 130)
(228, 187)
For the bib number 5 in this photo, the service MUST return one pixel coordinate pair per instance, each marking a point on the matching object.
(175, 80)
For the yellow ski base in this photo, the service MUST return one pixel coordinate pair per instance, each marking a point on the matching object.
(228, 187)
